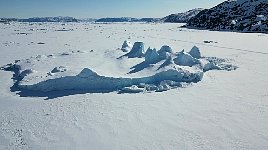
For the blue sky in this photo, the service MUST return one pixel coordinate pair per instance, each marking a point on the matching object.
(99, 8)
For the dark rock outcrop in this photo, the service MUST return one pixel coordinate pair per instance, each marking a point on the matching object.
(234, 15)
(181, 17)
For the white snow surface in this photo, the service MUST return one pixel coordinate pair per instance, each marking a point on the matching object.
(225, 110)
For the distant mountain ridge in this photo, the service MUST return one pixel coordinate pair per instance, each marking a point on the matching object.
(234, 15)
(173, 18)
(182, 17)
(49, 19)
(41, 19)
(87, 20)
(72, 19)
(127, 19)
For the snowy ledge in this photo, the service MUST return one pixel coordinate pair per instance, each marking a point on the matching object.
(172, 70)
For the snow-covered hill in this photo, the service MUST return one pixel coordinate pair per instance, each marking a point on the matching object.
(182, 17)
(234, 15)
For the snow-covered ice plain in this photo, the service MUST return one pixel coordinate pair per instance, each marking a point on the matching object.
(77, 86)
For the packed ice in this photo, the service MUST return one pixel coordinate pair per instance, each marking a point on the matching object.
(171, 71)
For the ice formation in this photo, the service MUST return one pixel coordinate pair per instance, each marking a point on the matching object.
(164, 52)
(127, 46)
(185, 59)
(58, 69)
(151, 56)
(136, 51)
(91, 81)
(195, 52)
(170, 72)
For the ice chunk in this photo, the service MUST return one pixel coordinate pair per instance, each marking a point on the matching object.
(195, 52)
(58, 69)
(185, 59)
(132, 89)
(192, 77)
(127, 46)
(151, 56)
(136, 51)
(207, 65)
(163, 86)
(164, 52)
(85, 73)
(151, 87)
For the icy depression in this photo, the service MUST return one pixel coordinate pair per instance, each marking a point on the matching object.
(69, 70)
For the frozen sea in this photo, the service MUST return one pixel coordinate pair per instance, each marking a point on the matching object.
(225, 110)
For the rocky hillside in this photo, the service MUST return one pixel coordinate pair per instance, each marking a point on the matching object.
(181, 17)
(234, 15)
